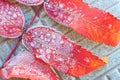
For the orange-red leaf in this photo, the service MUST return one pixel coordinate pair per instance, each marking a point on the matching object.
(30, 2)
(25, 65)
(91, 22)
(11, 20)
(57, 50)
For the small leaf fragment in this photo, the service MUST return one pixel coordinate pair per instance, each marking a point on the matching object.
(25, 65)
(31, 2)
(91, 22)
(11, 20)
(57, 50)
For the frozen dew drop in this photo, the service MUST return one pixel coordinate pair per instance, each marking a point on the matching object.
(43, 46)
(53, 41)
(70, 44)
(61, 5)
(45, 39)
(53, 36)
(61, 42)
(42, 37)
(9, 12)
(53, 52)
(48, 40)
(87, 59)
(95, 17)
(60, 59)
(110, 26)
(41, 32)
(82, 15)
(35, 33)
(49, 6)
(14, 15)
(78, 50)
(48, 35)
(10, 31)
(48, 51)
(41, 51)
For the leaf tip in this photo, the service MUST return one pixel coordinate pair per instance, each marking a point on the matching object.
(105, 59)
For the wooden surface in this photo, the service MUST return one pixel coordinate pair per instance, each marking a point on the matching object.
(111, 71)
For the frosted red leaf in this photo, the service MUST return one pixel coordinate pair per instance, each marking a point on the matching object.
(11, 20)
(25, 65)
(31, 2)
(91, 22)
(60, 52)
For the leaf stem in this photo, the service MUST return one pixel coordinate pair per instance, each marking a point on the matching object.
(20, 38)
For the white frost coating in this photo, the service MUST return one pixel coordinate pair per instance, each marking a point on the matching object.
(12, 15)
(43, 57)
(63, 67)
(72, 7)
(31, 2)
(59, 48)
(64, 61)
(4, 73)
(26, 65)
(16, 71)
(60, 15)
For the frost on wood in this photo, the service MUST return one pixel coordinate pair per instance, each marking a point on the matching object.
(58, 51)
(92, 23)
(25, 65)
(30, 2)
(11, 20)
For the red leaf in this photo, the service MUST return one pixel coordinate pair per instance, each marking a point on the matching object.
(92, 23)
(58, 51)
(31, 2)
(25, 65)
(11, 20)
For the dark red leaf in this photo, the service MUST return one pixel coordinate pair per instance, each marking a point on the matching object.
(31, 2)
(11, 20)
(57, 50)
(91, 22)
(25, 65)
